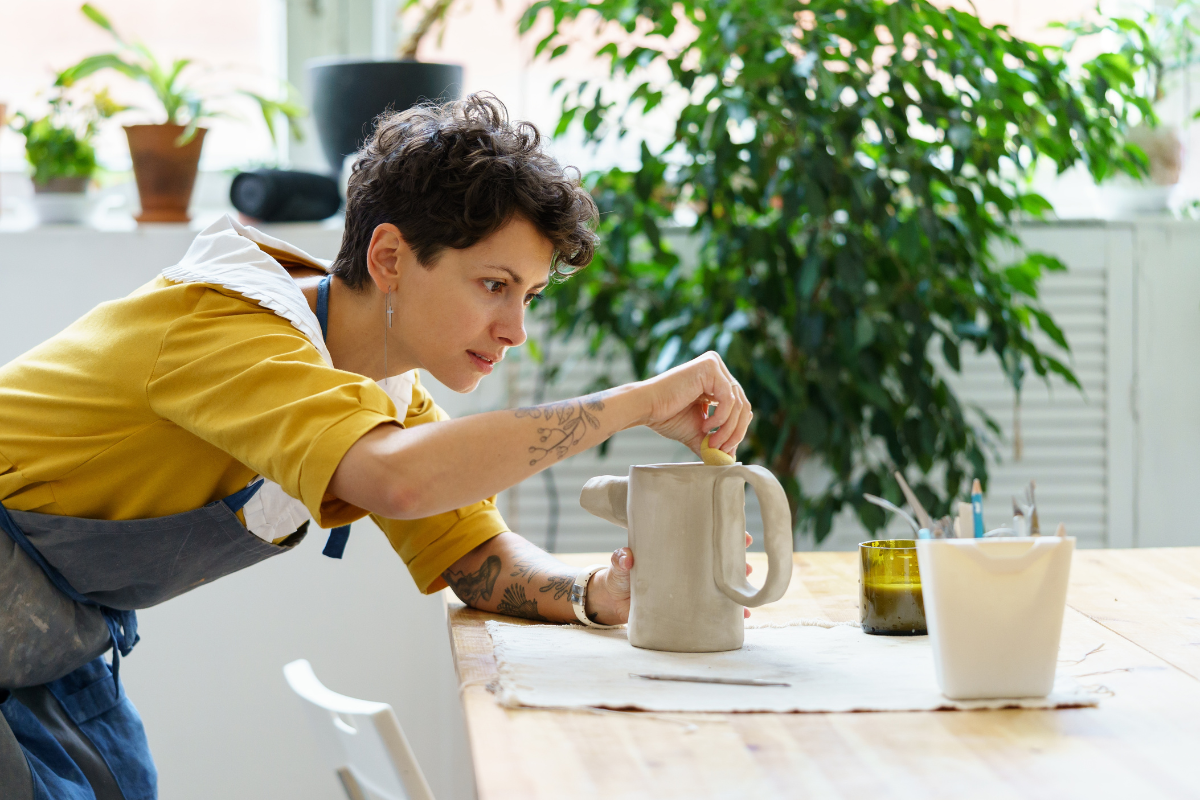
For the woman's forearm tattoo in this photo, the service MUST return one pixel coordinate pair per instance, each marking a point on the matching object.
(525, 568)
(559, 584)
(567, 425)
(474, 586)
(516, 604)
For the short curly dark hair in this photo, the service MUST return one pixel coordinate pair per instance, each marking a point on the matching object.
(450, 175)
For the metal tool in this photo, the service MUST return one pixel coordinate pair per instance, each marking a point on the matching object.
(895, 509)
(918, 509)
(1035, 529)
(701, 679)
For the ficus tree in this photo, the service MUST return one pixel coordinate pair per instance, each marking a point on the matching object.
(854, 171)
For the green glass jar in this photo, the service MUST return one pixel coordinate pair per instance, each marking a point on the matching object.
(890, 588)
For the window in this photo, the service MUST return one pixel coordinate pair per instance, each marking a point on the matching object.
(238, 39)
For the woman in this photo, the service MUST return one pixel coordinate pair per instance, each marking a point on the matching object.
(192, 429)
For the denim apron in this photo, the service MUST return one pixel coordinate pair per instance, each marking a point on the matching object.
(69, 588)
(74, 584)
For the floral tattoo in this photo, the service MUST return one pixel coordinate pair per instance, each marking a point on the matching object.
(567, 424)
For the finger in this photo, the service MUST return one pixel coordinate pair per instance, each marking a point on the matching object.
(745, 613)
(733, 432)
(749, 569)
(622, 559)
(618, 576)
(719, 389)
(749, 539)
(742, 424)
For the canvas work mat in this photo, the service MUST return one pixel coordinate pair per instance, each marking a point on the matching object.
(830, 667)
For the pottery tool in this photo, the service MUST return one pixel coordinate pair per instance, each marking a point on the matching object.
(1018, 519)
(701, 679)
(944, 528)
(964, 525)
(977, 508)
(895, 509)
(714, 457)
(1030, 495)
(918, 509)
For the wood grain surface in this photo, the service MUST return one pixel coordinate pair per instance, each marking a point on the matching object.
(1132, 631)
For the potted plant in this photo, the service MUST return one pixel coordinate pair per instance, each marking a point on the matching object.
(166, 155)
(1155, 45)
(349, 93)
(58, 146)
(849, 174)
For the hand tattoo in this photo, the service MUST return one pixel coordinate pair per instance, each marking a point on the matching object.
(476, 586)
(514, 603)
(525, 569)
(569, 422)
(559, 584)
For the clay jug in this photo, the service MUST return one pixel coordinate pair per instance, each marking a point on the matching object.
(687, 526)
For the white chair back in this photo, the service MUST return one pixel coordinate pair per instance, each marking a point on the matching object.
(362, 741)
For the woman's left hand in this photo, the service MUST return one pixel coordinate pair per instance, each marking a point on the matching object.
(608, 592)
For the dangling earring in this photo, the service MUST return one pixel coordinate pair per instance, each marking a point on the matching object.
(387, 326)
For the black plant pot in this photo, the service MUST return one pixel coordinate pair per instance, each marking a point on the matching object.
(348, 94)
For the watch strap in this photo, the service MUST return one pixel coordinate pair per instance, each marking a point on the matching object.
(578, 596)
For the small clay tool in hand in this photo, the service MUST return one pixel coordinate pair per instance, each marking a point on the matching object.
(714, 457)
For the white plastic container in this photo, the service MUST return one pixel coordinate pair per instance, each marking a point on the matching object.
(994, 609)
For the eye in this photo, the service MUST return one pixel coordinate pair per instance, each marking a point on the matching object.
(493, 287)
(531, 298)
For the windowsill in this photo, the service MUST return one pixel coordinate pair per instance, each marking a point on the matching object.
(20, 218)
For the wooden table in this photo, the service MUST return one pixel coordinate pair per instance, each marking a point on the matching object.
(1141, 608)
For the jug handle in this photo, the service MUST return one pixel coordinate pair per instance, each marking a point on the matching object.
(1005, 565)
(607, 497)
(728, 570)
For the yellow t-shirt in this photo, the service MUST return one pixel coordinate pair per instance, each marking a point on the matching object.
(177, 396)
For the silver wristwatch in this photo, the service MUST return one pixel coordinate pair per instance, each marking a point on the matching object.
(578, 596)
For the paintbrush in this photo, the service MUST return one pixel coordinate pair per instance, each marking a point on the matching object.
(918, 509)
(700, 679)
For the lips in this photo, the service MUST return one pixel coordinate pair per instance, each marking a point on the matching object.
(485, 361)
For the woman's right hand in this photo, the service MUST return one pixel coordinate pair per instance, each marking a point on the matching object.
(678, 401)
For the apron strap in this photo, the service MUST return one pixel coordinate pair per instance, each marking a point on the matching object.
(323, 306)
(335, 545)
(237, 501)
(122, 624)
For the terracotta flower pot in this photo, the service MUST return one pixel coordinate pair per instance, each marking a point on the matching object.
(165, 173)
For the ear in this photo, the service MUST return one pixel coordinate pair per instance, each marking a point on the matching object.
(387, 256)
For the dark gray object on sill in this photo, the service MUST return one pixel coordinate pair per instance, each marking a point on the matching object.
(274, 195)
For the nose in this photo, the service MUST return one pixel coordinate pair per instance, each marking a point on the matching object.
(510, 328)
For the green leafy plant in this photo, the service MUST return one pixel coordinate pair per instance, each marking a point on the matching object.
(1154, 43)
(59, 143)
(428, 15)
(182, 101)
(854, 170)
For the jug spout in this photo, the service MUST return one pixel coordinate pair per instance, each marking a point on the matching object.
(606, 496)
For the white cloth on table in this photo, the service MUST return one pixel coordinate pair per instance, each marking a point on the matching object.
(830, 666)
